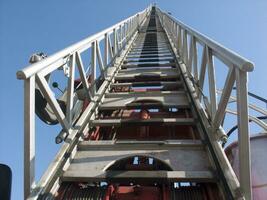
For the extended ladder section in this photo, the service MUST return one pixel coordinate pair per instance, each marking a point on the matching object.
(145, 134)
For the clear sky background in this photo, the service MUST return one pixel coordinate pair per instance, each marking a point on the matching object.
(48, 26)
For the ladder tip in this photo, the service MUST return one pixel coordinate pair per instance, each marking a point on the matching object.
(20, 75)
(248, 66)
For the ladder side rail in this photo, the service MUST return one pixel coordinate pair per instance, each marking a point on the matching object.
(227, 54)
(49, 179)
(80, 46)
(29, 135)
(67, 58)
(237, 67)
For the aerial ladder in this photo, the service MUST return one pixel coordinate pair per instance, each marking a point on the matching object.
(144, 120)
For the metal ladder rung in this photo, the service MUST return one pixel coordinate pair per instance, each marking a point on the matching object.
(151, 56)
(129, 176)
(148, 52)
(148, 83)
(149, 70)
(152, 121)
(150, 48)
(149, 65)
(143, 77)
(139, 144)
(149, 60)
(148, 94)
(130, 106)
(156, 64)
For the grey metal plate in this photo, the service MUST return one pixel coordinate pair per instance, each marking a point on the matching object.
(166, 99)
(152, 121)
(187, 160)
(141, 176)
(168, 73)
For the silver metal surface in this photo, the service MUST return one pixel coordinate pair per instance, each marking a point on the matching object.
(240, 67)
(90, 158)
(176, 43)
(48, 65)
(29, 135)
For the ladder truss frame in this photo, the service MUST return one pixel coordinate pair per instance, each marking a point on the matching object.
(123, 34)
(213, 115)
(35, 74)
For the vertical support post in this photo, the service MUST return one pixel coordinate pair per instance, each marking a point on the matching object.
(195, 58)
(191, 55)
(114, 42)
(212, 83)
(176, 35)
(122, 34)
(174, 29)
(125, 32)
(243, 134)
(29, 135)
(93, 65)
(131, 26)
(134, 22)
(137, 21)
(120, 37)
(179, 42)
(70, 89)
(185, 49)
(106, 55)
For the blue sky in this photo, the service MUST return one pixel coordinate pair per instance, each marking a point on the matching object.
(32, 26)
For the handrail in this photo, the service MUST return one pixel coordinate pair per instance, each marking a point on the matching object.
(115, 40)
(243, 63)
(34, 68)
(122, 33)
